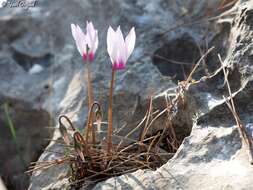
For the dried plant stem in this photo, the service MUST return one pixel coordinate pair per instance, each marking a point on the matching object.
(48, 164)
(197, 64)
(90, 127)
(152, 121)
(243, 132)
(149, 113)
(174, 144)
(68, 120)
(109, 135)
(226, 3)
(138, 126)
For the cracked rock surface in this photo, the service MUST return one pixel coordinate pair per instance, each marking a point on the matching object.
(42, 72)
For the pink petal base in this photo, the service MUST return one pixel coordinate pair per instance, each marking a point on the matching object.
(84, 57)
(118, 66)
(90, 57)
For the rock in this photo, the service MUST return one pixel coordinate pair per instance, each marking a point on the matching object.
(133, 86)
(209, 158)
(22, 146)
(36, 69)
(30, 122)
(212, 157)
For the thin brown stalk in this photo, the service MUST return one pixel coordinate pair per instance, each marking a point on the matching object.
(153, 120)
(175, 143)
(149, 113)
(136, 143)
(58, 142)
(128, 147)
(110, 129)
(48, 165)
(166, 124)
(104, 178)
(129, 139)
(226, 4)
(89, 84)
(137, 127)
(89, 89)
(151, 144)
(197, 64)
(243, 132)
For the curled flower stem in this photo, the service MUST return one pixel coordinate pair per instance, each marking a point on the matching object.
(90, 123)
(80, 145)
(109, 135)
(63, 129)
(68, 120)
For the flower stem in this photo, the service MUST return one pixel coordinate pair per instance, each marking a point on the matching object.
(89, 94)
(89, 84)
(109, 134)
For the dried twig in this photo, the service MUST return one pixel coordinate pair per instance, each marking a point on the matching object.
(197, 64)
(230, 103)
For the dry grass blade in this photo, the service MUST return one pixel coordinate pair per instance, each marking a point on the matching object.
(136, 128)
(48, 164)
(224, 4)
(243, 132)
(174, 144)
(197, 64)
(153, 120)
(147, 118)
(90, 161)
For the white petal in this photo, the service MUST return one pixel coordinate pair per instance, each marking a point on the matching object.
(121, 47)
(120, 38)
(90, 28)
(95, 44)
(89, 33)
(111, 37)
(76, 37)
(73, 31)
(92, 37)
(130, 42)
(80, 40)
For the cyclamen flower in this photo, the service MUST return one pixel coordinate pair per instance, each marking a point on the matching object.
(119, 49)
(90, 39)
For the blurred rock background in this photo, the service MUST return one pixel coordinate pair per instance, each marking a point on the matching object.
(41, 77)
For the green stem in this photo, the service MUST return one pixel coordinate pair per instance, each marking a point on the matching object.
(109, 135)
(13, 132)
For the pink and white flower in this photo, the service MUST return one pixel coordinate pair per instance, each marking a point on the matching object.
(90, 39)
(119, 49)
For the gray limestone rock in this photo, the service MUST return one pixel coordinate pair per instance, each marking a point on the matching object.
(212, 157)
